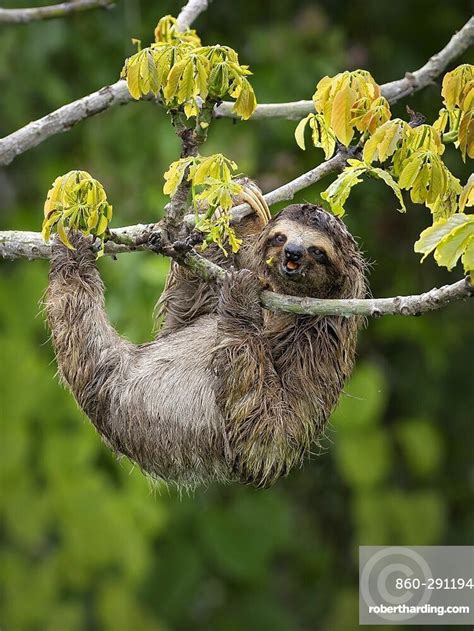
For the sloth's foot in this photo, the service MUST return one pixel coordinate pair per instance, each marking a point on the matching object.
(72, 263)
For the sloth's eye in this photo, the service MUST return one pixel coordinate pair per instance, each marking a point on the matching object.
(279, 239)
(319, 255)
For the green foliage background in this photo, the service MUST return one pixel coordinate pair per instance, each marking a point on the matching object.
(85, 542)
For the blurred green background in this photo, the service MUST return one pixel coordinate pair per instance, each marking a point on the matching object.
(85, 541)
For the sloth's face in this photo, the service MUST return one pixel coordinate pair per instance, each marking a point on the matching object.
(300, 260)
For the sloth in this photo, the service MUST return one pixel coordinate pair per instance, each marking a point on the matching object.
(228, 391)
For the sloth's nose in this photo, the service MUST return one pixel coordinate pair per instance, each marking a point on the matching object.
(294, 252)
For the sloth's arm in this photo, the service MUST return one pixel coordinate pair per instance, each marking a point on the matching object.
(186, 297)
(263, 433)
(90, 353)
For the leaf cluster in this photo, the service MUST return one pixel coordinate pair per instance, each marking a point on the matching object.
(213, 188)
(458, 114)
(337, 193)
(452, 238)
(412, 156)
(185, 74)
(344, 104)
(76, 201)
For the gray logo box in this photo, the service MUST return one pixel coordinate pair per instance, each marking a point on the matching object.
(424, 585)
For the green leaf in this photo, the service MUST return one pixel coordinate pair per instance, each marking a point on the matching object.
(468, 258)
(341, 115)
(410, 171)
(299, 132)
(174, 175)
(430, 237)
(246, 102)
(453, 245)
(384, 142)
(337, 193)
(467, 194)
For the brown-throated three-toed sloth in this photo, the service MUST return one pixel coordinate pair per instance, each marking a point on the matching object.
(227, 391)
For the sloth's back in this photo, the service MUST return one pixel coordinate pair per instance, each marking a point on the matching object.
(167, 407)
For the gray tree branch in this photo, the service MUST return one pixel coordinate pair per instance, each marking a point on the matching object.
(22, 16)
(392, 91)
(191, 10)
(65, 117)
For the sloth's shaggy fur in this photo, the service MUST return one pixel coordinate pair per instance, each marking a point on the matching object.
(227, 391)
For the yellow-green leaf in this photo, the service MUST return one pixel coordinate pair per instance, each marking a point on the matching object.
(468, 258)
(337, 193)
(174, 175)
(410, 171)
(322, 136)
(299, 132)
(246, 102)
(432, 236)
(133, 76)
(174, 78)
(341, 115)
(453, 245)
(466, 134)
(63, 234)
(467, 194)
(385, 140)
(454, 83)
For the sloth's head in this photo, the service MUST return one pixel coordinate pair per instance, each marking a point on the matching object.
(309, 252)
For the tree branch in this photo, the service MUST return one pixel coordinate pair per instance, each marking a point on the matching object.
(392, 91)
(414, 81)
(22, 16)
(372, 307)
(65, 117)
(191, 10)
(62, 120)
(16, 244)
(191, 138)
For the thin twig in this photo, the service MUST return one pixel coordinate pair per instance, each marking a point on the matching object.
(191, 138)
(22, 16)
(65, 117)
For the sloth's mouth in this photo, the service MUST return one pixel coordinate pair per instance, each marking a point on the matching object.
(291, 268)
